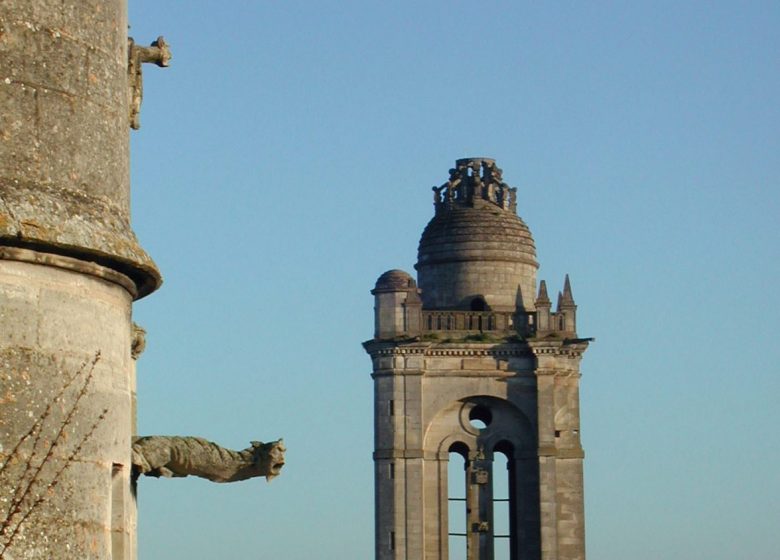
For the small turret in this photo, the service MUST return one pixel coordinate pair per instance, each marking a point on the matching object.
(563, 322)
(567, 309)
(567, 297)
(542, 305)
(397, 306)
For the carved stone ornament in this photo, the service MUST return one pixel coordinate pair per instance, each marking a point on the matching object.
(138, 344)
(158, 53)
(175, 456)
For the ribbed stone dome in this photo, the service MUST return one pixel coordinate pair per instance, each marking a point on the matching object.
(394, 280)
(478, 233)
(476, 247)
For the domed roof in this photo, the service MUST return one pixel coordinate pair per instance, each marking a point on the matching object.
(476, 219)
(476, 233)
(394, 280)
(476, 246)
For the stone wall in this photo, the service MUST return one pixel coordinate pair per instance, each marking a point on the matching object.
(57, 328)
(64, 133)
(70, 267)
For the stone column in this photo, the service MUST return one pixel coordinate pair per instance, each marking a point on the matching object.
(545, 382)
(569, 476)
(524, 514)
(436, 507)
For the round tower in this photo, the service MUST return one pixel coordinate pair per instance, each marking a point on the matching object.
(476, 253)
(397, 305)
(70, 268)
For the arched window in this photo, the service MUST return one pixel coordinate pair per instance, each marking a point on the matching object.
(478, 304)
(456, 500)
(503, 502)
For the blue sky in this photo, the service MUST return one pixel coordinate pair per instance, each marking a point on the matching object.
(285, 161)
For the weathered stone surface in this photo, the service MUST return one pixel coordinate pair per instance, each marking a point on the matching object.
(54, 323)
(70, 267)
(64, 173)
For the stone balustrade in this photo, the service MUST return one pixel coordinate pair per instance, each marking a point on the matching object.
(467, 321)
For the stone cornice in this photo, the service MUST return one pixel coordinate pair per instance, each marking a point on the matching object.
(498, 350)
(569, 347)
(69, 264)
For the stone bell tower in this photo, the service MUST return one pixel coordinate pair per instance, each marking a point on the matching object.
(471, 365)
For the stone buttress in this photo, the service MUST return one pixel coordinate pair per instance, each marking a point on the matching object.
(471, 365)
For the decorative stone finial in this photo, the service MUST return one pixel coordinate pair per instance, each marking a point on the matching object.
(567, 299)
(158, 53)
(542, 298)
(473, 180)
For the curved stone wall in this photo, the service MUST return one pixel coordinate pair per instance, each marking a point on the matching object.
(65, 334)
(64, 133)
(70, 267)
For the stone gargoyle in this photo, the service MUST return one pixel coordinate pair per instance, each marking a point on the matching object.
(175, 456)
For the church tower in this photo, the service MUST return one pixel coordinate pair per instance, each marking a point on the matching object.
(476, 390)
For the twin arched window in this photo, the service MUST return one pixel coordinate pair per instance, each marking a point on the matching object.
(480, 500)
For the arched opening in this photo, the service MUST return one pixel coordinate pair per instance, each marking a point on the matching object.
(478, 304)
(476, 517)
(504, 538)
(456, 502)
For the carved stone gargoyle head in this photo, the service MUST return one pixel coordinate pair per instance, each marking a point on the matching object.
(269, 457)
